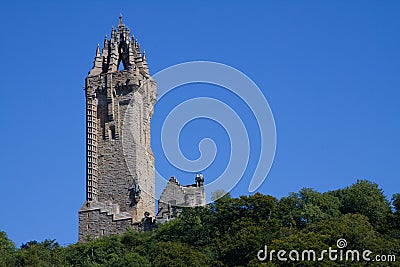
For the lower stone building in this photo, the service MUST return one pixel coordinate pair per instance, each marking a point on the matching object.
(175, 196)
(103, 219)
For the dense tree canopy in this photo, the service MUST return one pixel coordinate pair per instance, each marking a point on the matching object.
(231, 231)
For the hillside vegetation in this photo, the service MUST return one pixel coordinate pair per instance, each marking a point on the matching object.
(231, 231)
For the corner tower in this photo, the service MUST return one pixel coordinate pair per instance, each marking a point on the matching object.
(120, 180)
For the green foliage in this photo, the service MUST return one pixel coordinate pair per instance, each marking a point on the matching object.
(7, 251)
(196, 223)
(300, 241)
(46, 253)
(230, 232)
(394, 220)
(365, 198)
(238, 248)
(308, 206)
(178, 254)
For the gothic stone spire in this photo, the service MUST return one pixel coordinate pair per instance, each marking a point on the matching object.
(121, 48)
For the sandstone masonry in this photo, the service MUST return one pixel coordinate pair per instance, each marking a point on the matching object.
(120, 179)
(175, 196)
(118, 195)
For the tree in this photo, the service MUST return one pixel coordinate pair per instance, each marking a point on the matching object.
(394, 222)
(99, 251)
(176, 254)
(308, 206)
(7, 251)
(299, 241)
(359, 233)
(239, 247)
(366, 198)
(259, 208)
(46, 253)
(139, 242)
(230, 231)
(129, 259)
(195, 226)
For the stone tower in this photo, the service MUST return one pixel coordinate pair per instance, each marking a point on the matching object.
(120, 181)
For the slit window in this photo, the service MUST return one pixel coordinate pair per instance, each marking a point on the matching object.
(112, 132)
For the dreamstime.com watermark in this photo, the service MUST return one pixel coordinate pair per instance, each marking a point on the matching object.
(339, 254)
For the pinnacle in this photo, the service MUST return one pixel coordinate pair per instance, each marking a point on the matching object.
(120, 20)
(98, 50)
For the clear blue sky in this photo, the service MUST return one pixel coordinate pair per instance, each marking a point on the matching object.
(329, 69)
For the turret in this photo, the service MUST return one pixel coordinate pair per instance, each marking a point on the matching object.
(199, 180)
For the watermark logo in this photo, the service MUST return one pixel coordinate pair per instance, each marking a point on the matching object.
(221, 112)
(332, 254)
(341, 243)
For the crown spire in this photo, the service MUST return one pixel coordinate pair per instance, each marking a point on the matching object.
(122, 46)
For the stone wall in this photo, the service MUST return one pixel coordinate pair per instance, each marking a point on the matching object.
(101, 219)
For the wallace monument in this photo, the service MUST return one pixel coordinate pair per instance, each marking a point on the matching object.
(119, 195)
